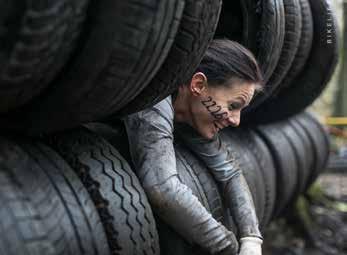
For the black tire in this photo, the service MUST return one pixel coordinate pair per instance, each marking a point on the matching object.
(191, 169)
(264, 26)
(285, 164)
(324, 139)
(260, 27)
(293, 23)
(122, 204)
(258, 148)
(36, 40)
(68, 214)
(192, 173)
(301, 161)
(308, 153)
(230, 24)
(125, 44)
(320, 144)
(314, 77)
(304, 46)
(250, 170)
(197, 28)
(293, 26)
(22, 229)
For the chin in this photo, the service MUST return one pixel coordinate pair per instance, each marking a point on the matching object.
(208, 135)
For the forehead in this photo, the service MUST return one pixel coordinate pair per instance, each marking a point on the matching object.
(235, 90)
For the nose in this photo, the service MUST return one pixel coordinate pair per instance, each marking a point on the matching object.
(234, 119)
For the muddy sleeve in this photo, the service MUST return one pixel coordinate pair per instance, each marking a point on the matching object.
(215, 154)
(150, 135)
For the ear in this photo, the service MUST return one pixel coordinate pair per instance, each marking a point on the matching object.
(198, 84)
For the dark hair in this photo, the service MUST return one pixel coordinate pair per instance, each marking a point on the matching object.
(226, 61)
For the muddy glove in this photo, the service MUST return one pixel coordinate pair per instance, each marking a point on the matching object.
(250, 246)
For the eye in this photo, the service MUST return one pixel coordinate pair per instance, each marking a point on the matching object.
(234, 106)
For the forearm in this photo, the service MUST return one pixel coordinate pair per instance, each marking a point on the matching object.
(179, 208)
(226, 170)
(241, 205)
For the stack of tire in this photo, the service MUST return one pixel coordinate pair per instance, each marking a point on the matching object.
(67, 62)
(296, 44)
(279, 161)
(73, 192)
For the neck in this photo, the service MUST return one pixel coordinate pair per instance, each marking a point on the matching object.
(181, 106)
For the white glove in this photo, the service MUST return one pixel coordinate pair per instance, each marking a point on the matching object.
(250, 246)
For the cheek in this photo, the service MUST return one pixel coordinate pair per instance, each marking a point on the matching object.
(202, 115)
(202, 120)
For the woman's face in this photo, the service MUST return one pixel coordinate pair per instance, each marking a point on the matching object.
(214, 108)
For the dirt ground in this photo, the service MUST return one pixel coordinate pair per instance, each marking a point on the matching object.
(317, 224)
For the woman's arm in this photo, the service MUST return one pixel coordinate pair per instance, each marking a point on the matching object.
(216, 156)
(151, 146)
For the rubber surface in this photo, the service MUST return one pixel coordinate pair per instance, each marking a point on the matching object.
(192, 173)
(22, 229)
(285, 164)
(196, 31)
(250, 170)
(307, 150)
(293, 27)
(63, 205)
(315, 76)
(121, 50)
(265, 163)
(195, 175)
(265, 27)
(305, 44)
(320, 144)
(121, 202)
(301, 161)
(230, 24)
(36, 40)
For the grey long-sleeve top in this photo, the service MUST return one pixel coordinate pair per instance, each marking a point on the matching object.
(150, 134)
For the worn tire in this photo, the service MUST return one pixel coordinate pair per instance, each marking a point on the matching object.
(125, 44)
(230, 24)
(36, 39)
(307, 147)
(192, 173)
(301, 161)
(293, 23)
(313, 78)
(261, 152)
(264, 28)
(320, 144)
(304, 46)
(22, 229)
(196, 31)
(285, 164)
(293, 27)
(121, 201)
(68, 214)
(250, 170)
(261, 26)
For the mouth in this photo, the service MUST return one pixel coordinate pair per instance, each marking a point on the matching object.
(216, 127)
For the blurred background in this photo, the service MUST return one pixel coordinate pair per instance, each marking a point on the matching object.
(319, 224)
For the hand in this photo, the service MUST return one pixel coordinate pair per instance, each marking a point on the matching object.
(250, 246)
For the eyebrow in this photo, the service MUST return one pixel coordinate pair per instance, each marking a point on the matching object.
(240, 100)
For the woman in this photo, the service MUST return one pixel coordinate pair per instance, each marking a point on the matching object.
(222, 86)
